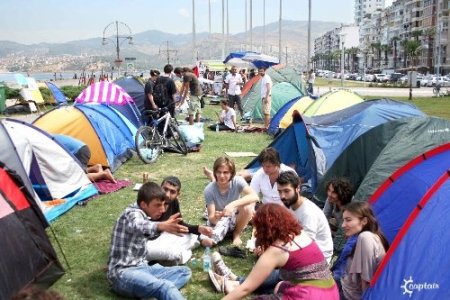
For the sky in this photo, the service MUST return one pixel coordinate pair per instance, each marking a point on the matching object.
(56, 21)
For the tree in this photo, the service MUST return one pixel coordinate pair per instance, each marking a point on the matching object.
(394, 41)
(416, 34)
(377, 46)
(413, 49)
(404, 44)
(386, 48)
(352, 52)
(429, 35)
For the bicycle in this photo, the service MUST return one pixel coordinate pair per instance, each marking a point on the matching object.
(151, 140)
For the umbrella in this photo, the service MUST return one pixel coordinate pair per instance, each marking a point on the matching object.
(250, 59)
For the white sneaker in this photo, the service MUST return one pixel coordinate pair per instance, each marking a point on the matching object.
(219, 267)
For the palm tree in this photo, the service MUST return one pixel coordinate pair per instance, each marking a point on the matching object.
(352, 52)
(377, 46)
(404, 44)
(394, 41)
(429, 35)
(416, 34)
(385, 48)
(413, 49)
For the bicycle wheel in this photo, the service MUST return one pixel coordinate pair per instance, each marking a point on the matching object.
(148, 144)
(175, 140)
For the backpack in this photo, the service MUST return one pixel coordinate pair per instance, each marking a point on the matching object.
(160, 94)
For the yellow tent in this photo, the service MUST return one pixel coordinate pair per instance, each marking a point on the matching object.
(301, 105)
(333, 101)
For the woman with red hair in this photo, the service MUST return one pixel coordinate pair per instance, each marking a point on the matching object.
(283, 244)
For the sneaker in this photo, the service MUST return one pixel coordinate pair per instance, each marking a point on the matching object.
(219, 267)
(218, 281)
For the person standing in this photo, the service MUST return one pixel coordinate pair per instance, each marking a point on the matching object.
(233, 83)
(311, 79)
(192, 85)
(169, 88)
(266, 95)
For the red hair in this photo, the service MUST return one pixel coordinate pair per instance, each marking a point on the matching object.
(274, 222)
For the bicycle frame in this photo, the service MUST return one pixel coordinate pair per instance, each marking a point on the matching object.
(166, 118)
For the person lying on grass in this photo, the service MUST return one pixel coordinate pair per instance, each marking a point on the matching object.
(228, 211)
(129, 273)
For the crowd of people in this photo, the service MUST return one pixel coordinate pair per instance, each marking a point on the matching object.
(293, 236)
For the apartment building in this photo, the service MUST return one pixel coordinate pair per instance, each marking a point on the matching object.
(384, 34)
(363, 7)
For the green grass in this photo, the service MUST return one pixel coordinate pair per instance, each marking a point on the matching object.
(84, 232)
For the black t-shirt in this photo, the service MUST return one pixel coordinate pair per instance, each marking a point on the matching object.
(171, 90)
(173, 208)
(148, 89)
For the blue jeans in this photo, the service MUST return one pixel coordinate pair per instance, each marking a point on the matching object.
(268, 284)
(152, 281)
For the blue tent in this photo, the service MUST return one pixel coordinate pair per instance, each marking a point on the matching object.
(335, 131)
(412, 207)
(59, 97)
(296, 150)
(135, 88)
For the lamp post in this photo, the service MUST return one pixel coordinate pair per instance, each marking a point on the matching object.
(120, 32)
(438, 64)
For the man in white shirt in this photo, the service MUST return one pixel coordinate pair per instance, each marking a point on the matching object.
(309, 215)
(264, 181)
(266, 95)
(233, 83)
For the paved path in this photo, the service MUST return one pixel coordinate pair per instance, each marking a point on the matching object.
(382, 92)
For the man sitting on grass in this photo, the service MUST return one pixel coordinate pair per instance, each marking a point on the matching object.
(129, 272)
(227, 210)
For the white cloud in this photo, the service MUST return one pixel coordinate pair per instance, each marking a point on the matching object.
(184, 12)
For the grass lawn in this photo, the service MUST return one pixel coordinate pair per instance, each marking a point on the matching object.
(84, 232)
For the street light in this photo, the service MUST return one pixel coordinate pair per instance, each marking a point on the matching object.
(117, 38)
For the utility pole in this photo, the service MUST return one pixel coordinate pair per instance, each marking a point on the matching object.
(279, 31)
(286, 62)
(438, 65)
(308, 56)
(251, 25)
(167, 51)
(223, 29)
(194, 42)
(264, 27)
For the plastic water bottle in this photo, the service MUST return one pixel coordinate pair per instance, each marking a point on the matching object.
(217, 127)
(207, 260)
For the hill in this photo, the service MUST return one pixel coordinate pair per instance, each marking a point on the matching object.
(150, 48)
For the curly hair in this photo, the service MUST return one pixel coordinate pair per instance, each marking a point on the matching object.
(343, 188)
(274, 222)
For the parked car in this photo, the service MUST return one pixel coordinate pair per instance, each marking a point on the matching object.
(369, 77)
(394, 77)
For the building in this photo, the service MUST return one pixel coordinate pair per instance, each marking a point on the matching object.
(363, 7)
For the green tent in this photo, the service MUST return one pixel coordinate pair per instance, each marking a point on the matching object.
(332, 101)
(286, 85)
(376, 154)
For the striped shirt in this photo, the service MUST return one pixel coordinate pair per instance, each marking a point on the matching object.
(132, 230)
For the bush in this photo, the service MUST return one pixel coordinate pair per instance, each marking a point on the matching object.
(12, 93)
(71, 91)
(46, 94)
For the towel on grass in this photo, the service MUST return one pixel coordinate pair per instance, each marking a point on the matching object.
(106, 186)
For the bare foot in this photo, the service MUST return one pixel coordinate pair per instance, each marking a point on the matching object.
(230, 285)
(109, 176)
(237, 241)
(209, 174)
(207, 242)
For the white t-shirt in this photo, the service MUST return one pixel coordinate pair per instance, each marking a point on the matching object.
(315, 224)
(264, 81)
(233, 84)
(227, 117)
(261, 185)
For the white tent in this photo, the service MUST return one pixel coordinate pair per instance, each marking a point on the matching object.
(54, 173)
